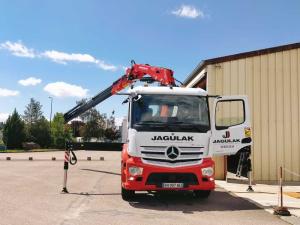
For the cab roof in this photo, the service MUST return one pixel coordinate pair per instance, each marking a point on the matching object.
(167, 91)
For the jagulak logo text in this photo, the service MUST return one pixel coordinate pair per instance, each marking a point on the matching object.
(172, 138)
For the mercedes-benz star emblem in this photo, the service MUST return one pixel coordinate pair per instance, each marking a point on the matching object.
(172, 152)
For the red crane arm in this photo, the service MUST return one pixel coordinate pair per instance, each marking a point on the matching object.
(138, 71)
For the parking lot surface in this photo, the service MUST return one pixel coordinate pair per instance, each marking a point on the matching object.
(30, 195)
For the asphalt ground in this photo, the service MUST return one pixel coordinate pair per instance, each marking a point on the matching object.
(30, 195)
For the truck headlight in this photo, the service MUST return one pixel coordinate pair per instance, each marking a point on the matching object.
(135, 171)
(208, 171)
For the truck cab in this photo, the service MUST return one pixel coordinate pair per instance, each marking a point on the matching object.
(173, 133)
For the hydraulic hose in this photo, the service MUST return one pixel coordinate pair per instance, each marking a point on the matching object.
(73, 158)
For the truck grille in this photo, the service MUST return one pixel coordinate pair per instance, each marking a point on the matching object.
(157, 155)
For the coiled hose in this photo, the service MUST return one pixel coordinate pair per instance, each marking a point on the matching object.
(73, 158)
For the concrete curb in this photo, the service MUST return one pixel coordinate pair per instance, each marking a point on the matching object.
(293, 219)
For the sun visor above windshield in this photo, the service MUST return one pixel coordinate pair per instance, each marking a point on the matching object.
(167, 90)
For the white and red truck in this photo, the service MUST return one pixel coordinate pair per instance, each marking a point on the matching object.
(173, 133)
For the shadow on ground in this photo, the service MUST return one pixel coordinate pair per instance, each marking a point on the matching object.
(219, 200)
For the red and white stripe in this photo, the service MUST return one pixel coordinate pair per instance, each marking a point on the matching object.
(67, 156)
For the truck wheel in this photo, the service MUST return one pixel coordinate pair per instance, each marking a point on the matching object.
(202, 193)
(127, 195)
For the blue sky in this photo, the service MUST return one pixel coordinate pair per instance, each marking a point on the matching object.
(74, 49)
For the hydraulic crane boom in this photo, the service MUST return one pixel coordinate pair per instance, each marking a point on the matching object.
(136, 72)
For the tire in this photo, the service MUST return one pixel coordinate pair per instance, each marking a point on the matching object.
(202, 194)
(127, 195)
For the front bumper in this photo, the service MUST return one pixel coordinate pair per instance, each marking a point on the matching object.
(153, 176)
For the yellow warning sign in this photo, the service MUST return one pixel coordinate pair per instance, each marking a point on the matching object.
(247, 132)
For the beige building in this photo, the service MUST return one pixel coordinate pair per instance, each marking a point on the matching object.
(271, 79)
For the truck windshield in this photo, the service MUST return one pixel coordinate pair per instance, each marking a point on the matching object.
(170, 113)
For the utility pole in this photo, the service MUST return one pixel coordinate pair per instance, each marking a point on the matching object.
(51, 100)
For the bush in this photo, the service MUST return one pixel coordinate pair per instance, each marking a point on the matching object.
(40, 133)
(59, 131)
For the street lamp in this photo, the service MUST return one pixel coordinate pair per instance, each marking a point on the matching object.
(51, 99)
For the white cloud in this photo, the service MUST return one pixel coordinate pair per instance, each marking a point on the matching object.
(106, 66)
(62, 89)
(30, 81)
(62, 57)
(6, 92)
(3, 116)
(188, 11)
(18, 49)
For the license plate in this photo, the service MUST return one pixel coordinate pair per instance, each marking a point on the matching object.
(172, 185)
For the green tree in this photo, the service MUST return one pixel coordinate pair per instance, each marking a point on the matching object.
(89, 114)
(111, 132)
(59, 131)
(40, 132)
(33, 112)
(14, 131)
(37, 127)
(1, 133)
(95, 125)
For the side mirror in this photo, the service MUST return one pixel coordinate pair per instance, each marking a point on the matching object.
(137, 98)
